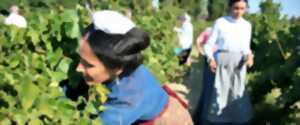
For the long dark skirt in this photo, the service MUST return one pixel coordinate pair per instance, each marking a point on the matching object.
(224, 99)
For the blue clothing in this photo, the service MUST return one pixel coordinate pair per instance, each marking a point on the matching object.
(138, 96)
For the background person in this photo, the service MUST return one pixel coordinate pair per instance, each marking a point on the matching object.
(15, 18)
(231, 36)
(185, 36)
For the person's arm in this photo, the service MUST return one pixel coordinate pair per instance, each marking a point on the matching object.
(7, 21)
(209, 47)
(248, 52)
(177, 29)
(200, 42)
(123, 112)
(213, 37)
(23, 22)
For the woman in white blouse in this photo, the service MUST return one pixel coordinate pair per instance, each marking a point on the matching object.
(228, 103)
(15, 18)
(185, 35)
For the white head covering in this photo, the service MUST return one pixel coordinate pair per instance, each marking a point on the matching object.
(14, 9)
(187, 17)
(112, 22)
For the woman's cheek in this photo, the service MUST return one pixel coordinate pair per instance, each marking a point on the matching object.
(88, 77)
(98, 76)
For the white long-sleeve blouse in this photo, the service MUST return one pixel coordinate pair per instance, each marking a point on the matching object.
(231, 35)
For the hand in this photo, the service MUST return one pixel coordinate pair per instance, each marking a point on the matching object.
(250, 61)
(200, 48)
(176, 29)
(213, 65)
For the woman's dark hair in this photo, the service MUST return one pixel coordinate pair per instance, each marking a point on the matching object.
(118, 50)
(232, 2)
(4, 12)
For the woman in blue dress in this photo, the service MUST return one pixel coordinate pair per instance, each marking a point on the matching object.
(229, 55)
(111, 54)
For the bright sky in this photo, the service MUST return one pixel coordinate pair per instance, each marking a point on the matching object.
(288, 7)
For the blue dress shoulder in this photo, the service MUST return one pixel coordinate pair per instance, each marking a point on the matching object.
(137, 96)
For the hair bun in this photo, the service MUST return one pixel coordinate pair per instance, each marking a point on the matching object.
(119, 50)
(133, 42)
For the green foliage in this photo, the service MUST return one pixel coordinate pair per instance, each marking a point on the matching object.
(33, 63)
(274, 80)
(217, 8)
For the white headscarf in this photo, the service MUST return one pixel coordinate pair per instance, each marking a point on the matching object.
(112, 22)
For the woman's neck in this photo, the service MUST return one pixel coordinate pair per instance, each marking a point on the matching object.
(236, 18)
